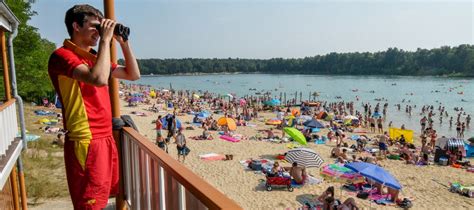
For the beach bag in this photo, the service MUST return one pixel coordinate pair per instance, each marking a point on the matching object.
(129, 122)
(405, 203)
(256, 165)
(186, 150)
(363, 195)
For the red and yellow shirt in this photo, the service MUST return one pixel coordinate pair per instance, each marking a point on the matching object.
(86, 108)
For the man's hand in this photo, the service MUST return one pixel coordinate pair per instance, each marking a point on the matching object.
(119, 39)
(107, 29)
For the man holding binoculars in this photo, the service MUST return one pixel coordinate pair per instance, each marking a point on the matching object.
(80, 77)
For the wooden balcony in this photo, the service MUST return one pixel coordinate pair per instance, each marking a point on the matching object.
(154, 180)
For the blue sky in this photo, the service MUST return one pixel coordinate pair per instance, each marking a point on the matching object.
(278, 28)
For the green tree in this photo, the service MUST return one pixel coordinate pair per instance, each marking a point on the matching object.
(31, 55)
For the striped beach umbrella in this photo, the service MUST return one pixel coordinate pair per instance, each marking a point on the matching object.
(305, 157)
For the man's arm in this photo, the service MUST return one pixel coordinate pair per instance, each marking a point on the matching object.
(99, 74)
(130, 71)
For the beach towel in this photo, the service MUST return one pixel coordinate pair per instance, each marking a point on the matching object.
(201, 138)
(44, 112)
(309, 202)
(212, 157)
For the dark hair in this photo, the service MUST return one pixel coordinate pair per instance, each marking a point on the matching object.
(295, 164)
(330, 190)
(78, 13)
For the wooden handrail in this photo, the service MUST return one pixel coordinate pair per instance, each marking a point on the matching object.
(7, 104)
(202, 190)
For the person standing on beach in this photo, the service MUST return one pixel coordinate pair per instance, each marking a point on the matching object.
(80, 76)
(159, 134)
(468, 120)
(181, 145)
(380, 125)
(423, 123)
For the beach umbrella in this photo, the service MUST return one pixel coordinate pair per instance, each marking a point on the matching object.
(471, 140)
(165, 122)
(376, 115)
(305, 157)
(229, 122)
(313, 124)
(229, 95)
(374, 172)
(242, 102)
(195, 96)
(135, 99)
(339, 173)
(295, 134)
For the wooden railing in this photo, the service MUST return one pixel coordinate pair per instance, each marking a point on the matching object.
(8, 125)
(154, 180)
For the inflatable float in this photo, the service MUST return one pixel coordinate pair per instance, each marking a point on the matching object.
(229, 138)
(273, 122)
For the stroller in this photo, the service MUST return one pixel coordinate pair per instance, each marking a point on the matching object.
(279, 181)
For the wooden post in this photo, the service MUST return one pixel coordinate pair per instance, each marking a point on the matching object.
(6, 76)
(109, 11)
(14, 184)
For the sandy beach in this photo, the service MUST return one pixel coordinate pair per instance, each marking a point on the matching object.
(426, 186)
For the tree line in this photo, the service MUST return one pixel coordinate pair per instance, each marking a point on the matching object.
(448, 61)
(32, 54)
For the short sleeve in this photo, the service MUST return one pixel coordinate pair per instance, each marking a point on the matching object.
(63, 62)
(113, 66)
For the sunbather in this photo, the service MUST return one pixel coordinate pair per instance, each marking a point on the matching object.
(298, 173)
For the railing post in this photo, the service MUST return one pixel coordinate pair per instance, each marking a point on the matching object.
(14, 184)
(147, 181)
(6, 76)
(182, 197)
(162, 189)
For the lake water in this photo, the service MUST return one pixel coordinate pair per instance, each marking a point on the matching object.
(418, 91)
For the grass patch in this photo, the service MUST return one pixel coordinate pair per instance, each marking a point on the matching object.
(45, 175)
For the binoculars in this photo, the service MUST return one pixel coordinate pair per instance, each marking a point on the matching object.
(119, 30)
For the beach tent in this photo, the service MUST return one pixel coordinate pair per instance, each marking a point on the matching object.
(203, 114)
(441, 142)
(295, 134)
(295, 112)
(273, 102)
(165, 123)
(395, 133)
(229, 122)
(322, 115)
(313, 124)
(375, 173)
(304, 157)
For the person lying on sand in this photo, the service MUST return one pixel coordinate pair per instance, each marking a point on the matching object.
(335, 204)
(336, 152)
